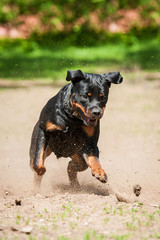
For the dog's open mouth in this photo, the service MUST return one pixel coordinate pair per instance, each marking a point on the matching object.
(86, 120)
(89, 122)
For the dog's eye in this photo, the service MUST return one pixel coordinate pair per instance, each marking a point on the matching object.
(102, 97)
(85, 96)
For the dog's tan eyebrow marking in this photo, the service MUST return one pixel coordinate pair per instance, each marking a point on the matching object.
(89, 94)
(89, 130)
(51, 127)
(101, 94)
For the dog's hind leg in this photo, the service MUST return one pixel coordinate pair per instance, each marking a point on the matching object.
(77, 164)
(39, 150)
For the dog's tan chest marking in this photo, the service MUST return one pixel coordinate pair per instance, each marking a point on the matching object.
(89, 130)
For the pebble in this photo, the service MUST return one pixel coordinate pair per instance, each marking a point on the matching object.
(27, 229)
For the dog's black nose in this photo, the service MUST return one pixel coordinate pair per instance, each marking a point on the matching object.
(96, 112)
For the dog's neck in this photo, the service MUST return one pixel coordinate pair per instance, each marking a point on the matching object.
(67, 101)
(69, 92)
(68, 108)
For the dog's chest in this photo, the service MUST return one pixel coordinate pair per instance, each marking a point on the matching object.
(66, 144)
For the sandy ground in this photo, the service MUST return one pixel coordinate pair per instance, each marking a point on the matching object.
(129, 152)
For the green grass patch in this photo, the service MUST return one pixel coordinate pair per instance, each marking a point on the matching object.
(26, 59)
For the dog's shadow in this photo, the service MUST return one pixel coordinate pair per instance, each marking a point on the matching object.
(83, 189)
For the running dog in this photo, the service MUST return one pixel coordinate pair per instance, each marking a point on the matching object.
(69, 125)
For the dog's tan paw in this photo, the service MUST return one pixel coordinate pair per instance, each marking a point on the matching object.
(100, 175)
(40, 170)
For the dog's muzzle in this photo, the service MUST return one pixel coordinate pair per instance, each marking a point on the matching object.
(89, 117)
(92, 116)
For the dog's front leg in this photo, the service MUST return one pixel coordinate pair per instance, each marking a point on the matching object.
(97, 171)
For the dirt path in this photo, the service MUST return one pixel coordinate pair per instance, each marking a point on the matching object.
(129, 152)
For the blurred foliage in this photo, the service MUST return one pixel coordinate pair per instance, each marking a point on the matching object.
(69, 37)
(71, 9)
(27, 59)
(71, 21)
(90, 37)
(67, 15)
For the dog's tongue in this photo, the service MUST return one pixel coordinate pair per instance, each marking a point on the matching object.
(91, 121)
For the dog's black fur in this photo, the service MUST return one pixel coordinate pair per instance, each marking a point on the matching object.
(69, 125)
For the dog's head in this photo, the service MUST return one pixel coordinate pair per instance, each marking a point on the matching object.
(90, 94)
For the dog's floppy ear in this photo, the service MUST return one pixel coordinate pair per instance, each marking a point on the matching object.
(113, 77)
(74, 75)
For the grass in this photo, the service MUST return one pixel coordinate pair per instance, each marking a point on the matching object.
(25, 59)
(121, 237)
(93, 235)
(69, 228)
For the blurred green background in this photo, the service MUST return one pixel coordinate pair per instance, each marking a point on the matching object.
(41, 39)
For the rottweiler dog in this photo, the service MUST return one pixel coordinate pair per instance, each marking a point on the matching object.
(69, 125)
